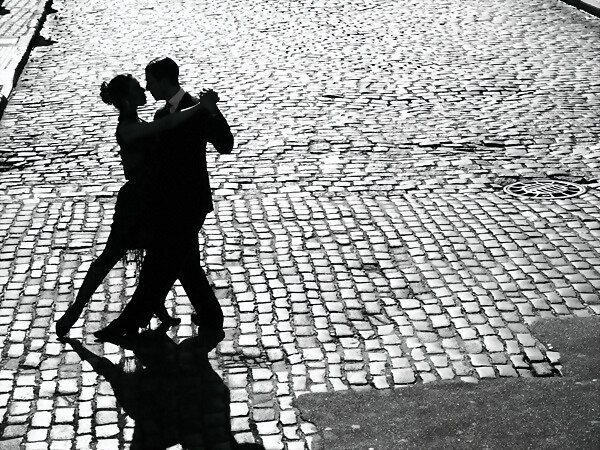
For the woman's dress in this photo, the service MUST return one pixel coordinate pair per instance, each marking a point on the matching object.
(135, 220)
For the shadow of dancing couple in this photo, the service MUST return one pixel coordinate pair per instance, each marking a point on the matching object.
(176, 398)
(162, 206)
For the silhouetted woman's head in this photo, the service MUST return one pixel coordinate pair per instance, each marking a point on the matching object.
(121, 91)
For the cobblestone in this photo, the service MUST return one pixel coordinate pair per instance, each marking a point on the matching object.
(361, 239)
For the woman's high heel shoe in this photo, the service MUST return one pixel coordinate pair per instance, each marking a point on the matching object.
(170, 322)
(66, 322)
(114, 333)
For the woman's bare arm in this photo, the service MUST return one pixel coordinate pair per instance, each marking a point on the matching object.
(132, 131)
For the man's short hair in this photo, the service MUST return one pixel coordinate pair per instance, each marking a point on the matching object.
(164, 68)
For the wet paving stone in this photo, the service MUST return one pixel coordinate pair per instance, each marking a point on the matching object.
(361, 238)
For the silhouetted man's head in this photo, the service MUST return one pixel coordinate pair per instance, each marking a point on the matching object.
(162, 78)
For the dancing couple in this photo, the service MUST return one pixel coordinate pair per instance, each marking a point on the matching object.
(163, 204)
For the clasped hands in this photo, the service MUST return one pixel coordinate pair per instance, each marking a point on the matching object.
(208, 100)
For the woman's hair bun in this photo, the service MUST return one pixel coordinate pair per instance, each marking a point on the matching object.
(105, 93)
(117, 90)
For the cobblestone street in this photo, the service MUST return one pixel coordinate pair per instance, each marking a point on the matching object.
(361, 237)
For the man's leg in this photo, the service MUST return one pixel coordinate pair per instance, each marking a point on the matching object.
(157, 275)
(209, 316)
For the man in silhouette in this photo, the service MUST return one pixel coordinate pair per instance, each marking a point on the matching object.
(186, 199)
(186, 164)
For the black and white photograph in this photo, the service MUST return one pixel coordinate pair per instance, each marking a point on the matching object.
(299, 225)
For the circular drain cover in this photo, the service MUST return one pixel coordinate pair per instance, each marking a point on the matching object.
(544, 189)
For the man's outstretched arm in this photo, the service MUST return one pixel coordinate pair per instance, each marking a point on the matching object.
(217, 131)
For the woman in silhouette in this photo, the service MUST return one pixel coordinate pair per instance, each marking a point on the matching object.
(137, 218)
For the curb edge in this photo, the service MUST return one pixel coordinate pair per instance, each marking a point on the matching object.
(590, 6)
(22, 57)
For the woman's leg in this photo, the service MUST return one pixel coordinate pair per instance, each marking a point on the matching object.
(113, 251)
(159, 271)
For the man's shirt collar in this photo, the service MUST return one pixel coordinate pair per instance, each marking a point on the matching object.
(175, 100)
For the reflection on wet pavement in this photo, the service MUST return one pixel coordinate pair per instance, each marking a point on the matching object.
(174, 395)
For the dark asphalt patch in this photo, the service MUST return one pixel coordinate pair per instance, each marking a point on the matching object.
(516, 413)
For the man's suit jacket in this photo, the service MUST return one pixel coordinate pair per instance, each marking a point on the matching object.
(183, 164)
